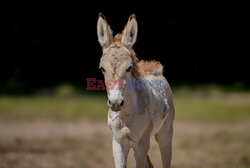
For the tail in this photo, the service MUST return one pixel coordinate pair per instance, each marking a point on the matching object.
(149, 164)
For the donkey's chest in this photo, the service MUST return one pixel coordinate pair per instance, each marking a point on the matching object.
(130, 131)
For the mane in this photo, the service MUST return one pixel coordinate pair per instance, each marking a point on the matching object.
(150, 68)
(141, 68)
(144, 68)
(118, 37)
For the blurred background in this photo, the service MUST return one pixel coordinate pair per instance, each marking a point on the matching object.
(48, 119)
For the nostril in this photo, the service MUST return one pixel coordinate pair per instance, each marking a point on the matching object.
(122, 103)
(109, 102)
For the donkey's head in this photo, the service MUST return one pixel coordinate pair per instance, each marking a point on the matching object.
(118, 60)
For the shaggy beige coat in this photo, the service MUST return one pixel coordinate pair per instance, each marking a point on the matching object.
(145, 112)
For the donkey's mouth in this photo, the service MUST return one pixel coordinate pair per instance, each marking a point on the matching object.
(116, 109)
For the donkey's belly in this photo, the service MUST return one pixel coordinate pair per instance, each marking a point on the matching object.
(158, 122)
(159, 114)
(159, 109)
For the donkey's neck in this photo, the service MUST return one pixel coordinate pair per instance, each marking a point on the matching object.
(134, 102)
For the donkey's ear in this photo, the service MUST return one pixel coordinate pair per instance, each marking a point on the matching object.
(130, 32)
(105, 35)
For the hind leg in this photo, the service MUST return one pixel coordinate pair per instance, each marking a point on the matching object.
(164, 139)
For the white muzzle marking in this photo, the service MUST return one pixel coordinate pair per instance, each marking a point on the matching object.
(115, 99)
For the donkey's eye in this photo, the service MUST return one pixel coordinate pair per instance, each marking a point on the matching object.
(102, 69)
(129, 69)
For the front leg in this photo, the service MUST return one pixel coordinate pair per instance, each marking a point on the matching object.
(120, 154)
(141, 151)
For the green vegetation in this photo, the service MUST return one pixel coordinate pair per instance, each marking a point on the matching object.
(93, 107)
(212, 106)
(199, 106)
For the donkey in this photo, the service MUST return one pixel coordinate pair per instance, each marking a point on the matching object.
(134, 115)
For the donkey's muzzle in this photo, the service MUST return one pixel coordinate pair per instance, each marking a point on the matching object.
(115, 105)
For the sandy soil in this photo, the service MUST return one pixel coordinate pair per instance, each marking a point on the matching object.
(87, 144)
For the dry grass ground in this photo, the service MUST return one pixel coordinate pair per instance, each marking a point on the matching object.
(86, 144)
(211, 131)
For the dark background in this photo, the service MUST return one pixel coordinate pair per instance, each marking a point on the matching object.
(44, 45)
